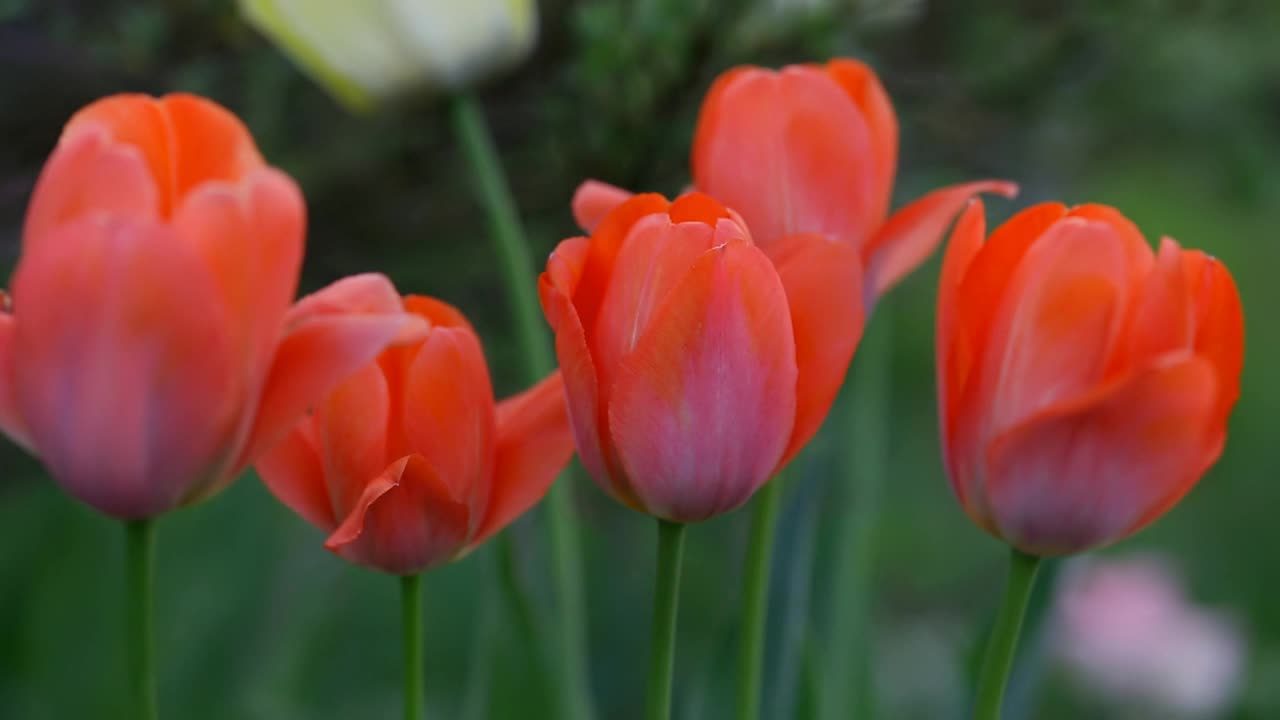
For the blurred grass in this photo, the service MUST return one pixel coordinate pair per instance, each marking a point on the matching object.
(1166, 109)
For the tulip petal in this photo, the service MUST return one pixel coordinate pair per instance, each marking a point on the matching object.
(596, 271)
(535, 442)
(90, 174)
(910, 235)
(251, 236)
(1161, 321)
(864, 88)
(406, 521)
(331, 334)
(209, 143)
(593, 200)
(704, 407)
(448, 408)
(791, 152)
(123, 365)
(351, 424)
(11, 423)
(1087, 473)
(294, 472)
(1218, 322)
(956, 353)
(823, 282)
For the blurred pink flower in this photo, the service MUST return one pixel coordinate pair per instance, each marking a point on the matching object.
(1126, 629)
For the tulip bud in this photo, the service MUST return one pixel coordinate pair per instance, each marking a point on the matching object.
(366, 51)
(694, 366)
(1084, 381)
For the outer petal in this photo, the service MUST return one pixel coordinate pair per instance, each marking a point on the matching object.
(864, 88)
(909, 237)
(822, 280)
(87, 174)
(791, 152)
(593, 200)
(1091, 472)
(294, 472)
(448, 411)
(704, 407)
(405, 522)
(955, 352)
(330, 335)
(535, 442)
(251, 237)
(123, 365)
(11, 423)
(351, 424)
(582, 390)
(1219, 323)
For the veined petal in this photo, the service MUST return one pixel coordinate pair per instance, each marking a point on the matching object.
(1087, 473)
(294, 472)
(330, 335)
(910, 235)
(405, 522)
(535, 442)
(823, 283)
(123, 365)
(593, 200)
(704, 407)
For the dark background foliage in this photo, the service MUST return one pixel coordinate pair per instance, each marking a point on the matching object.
(1169, 109)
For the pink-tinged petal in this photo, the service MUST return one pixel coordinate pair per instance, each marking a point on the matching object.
(864, 88)
(294, 472)
(90, 175)
(823, 283)
(582, 389)
(790, 151)
(910, 236)
(11, 423)
(123, 365)
(405, 521)
(448, 412)
(655, 257)
(704, 407)
(602, 253)
(331, 334)
(1218, 320)
(351, 425)
(1131, 238)
(535, 442)
(251, 237)
(593, 200)
(1090, 472)
(955, 352)
(1053, 335)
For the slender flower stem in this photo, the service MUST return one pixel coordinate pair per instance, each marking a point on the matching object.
(666, 602)
(520, 276)
(411, 629)
(864, 413)
(764, 515)
(1003, 643)
(140, 555)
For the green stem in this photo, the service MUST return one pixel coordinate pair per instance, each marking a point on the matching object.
(411, 629)
(865, 411)
(755, 612)
(140, 552)
(666, 602)
(520, 274)
(1003, 644)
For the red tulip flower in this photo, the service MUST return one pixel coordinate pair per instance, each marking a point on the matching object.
(150, 352)
(1084, 381)
(812, 149)
(694, 364)
(409, 463)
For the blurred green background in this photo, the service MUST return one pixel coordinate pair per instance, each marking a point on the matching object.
(1168, 109)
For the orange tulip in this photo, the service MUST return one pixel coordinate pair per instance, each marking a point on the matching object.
(409, 464)
(811, 149)
(151, 352)
(1084, 381)
(694, 366)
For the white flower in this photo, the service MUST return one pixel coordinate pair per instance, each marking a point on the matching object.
(364, 51)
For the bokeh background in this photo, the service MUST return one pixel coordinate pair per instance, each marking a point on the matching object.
(1169, 109)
